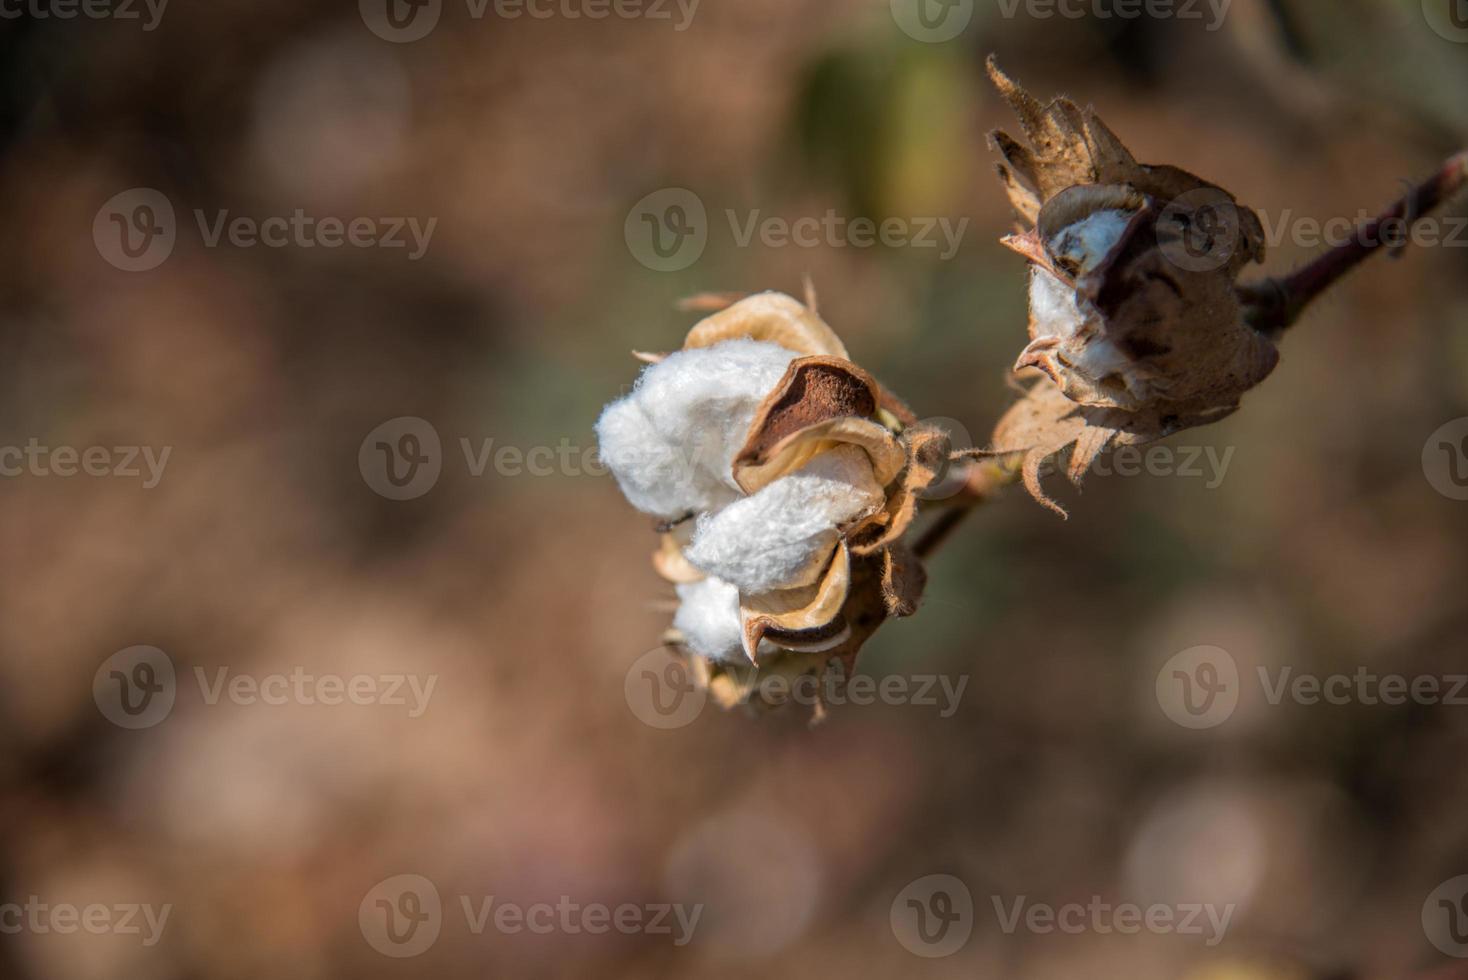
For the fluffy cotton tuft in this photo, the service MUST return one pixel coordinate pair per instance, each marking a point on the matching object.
(1091, 239)
(708, 618)
(671, 442)
(782, 536)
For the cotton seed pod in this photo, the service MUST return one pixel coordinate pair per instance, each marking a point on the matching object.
(785, 477)
(1134, 313)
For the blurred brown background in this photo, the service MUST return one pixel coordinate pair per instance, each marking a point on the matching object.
(264, 550)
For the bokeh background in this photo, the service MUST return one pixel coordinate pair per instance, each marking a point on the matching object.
(264, 549)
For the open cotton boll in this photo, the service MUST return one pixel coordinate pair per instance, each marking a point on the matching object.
(782, 536)
(671, 442)
(708, 618)
(1091, 239)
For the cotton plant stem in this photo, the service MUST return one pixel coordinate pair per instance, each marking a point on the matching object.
(1273, 305)
(983, 481)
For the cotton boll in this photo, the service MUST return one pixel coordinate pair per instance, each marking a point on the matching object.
(1053, 306)
(708, 618)
(671, 442)
(1091, 239)
(782, 536)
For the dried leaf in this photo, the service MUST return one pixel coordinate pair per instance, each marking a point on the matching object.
(772, 317)
(808, 618)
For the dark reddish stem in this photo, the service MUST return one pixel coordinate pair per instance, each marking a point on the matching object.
(1272, 305)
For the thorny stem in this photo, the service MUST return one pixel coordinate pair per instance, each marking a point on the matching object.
(984, 480)
(1273, 305)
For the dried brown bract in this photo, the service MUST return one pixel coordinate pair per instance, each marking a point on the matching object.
(1135, 320)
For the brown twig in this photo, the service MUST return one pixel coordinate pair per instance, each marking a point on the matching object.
(1272, 305)
(983, 481)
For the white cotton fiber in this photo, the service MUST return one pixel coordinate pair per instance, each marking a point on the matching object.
(708, 617)
(1091, 239)
(781, 537)
(671, 442)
